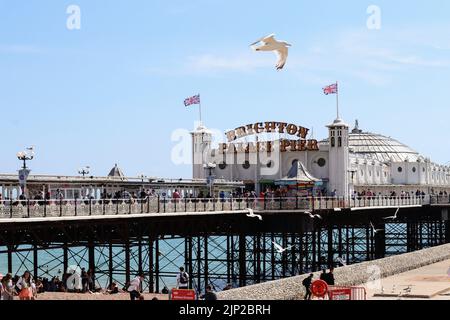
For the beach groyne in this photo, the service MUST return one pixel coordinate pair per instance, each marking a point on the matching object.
(353, 275)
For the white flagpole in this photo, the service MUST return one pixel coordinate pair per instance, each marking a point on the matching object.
(337, 100)
(200, 108)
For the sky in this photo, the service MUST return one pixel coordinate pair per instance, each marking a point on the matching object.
(112, 91)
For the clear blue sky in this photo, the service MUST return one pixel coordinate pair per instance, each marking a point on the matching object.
(113, 91)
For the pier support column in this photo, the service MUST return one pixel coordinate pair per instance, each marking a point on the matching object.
(157, 264)
(446, 220)
(380, 241)
(330, 247)
(65, 258)
(91, 259)
(447, 231)
(110, 263)
(189, 261)
(242, 261)
(206, 266)
(127, 261)
(150, 265)
(35, 261)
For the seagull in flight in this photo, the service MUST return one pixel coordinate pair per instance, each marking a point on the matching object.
(251, 214)
(341, 261)
(279, 248)
(375, 230)
(314, 216)
(394, 217)
(268, 43)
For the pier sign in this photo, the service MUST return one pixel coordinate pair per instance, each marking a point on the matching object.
(300, 143)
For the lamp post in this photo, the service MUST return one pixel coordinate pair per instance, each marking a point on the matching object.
(84, 171)
(210, 181)
(25, 156)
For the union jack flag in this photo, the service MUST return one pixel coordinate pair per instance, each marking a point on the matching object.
(331, 89)
(192, 100)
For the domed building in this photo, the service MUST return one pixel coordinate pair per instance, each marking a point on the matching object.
(348, 161)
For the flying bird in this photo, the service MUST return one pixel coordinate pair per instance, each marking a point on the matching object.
(279, 248)
(375, 230)
(281, 49)
(314, 216)
(394, 217)
(341, 261)
(251, 214)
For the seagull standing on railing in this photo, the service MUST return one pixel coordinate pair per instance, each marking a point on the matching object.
(279, 248)
(394, 217)
(270, 44)
(375, 230)
(251, 214)
(314, 216)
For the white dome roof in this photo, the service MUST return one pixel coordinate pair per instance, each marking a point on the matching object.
(381, 148)
(378, 147)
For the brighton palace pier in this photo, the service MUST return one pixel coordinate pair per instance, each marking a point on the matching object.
(214, 238)
(346, 162)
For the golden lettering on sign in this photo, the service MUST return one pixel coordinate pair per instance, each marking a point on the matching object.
(301, 144)
(267, 127)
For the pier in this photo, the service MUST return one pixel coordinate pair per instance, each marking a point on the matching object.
(213, 238)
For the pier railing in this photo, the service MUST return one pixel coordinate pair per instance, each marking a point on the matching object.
(93, 207)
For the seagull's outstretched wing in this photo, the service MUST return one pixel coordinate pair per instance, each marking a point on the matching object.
(282, 54)
(277, 246)
(267, 39)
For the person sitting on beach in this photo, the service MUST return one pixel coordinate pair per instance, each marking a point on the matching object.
(210, 295)
(228, 287)
(112, 289)
(135, 287)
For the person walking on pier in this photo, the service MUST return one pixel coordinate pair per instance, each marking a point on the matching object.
(307, 284)
(182, 279)
(135, 287)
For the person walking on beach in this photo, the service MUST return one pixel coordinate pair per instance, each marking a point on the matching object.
(330, 277)
(25, 286)
(7, 292)
(182, 279)
(307, 284)
(135, 287)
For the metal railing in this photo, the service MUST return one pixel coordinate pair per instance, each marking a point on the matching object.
(111, 207)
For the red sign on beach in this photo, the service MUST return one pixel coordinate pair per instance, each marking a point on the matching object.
(183, 295)
(341, 294)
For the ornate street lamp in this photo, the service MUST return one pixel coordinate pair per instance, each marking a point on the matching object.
(25, 156)
(84, 171)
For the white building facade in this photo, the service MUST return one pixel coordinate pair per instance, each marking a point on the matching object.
(345, 163)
